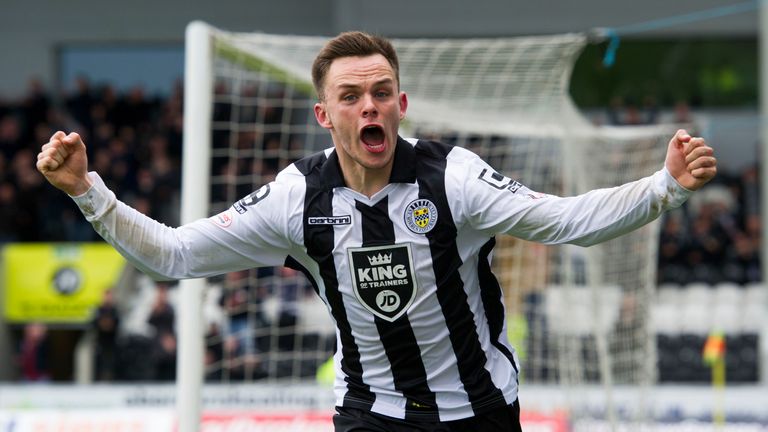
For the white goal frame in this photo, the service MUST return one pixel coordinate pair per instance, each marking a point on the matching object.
(196, 175)
(198, 82)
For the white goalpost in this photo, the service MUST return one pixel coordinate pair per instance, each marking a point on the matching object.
(198, 76)
(579, 317)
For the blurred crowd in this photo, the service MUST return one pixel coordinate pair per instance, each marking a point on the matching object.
(715, 236)
(133, 142)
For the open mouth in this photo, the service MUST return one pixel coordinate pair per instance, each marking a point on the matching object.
(373, 138)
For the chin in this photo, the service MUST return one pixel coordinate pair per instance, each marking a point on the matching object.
(377, 160)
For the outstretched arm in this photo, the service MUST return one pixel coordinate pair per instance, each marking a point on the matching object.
(64, 163)
(201, 248)
(498, 204)
(690, 160)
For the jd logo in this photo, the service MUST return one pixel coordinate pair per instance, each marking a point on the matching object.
(388, 300)
(383, 279)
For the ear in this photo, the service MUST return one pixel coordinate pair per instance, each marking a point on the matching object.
(403, 104)
(322, 117)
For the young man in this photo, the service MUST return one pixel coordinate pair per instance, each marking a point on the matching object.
(395, 236)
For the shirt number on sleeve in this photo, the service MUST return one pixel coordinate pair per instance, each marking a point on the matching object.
(498, 181)
(242, 205)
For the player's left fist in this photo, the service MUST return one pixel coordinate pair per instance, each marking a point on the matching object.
(690, 160)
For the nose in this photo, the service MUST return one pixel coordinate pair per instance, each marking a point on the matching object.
(369, 107)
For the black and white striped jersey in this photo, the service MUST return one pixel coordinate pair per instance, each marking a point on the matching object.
(405, 274)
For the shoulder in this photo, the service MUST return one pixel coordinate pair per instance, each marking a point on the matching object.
(452, 160)
(307, 165)
(439, 150)
(286, 189)
(317, 171)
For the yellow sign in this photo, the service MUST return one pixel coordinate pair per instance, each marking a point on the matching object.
(57, 282)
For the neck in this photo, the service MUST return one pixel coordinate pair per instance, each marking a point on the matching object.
(367, 181)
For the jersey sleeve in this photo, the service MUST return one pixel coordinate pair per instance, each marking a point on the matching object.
(494, 204)
(254, 232)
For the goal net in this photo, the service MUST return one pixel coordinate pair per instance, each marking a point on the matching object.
(578, 317)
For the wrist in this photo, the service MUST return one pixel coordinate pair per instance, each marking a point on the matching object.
(81, 187)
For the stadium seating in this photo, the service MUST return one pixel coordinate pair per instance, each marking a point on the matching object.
(682, 316)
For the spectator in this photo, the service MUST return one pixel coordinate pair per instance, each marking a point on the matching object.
(742, 263)
(165, 357)
(707, 247)
(213, 353)
(235, 301)
(162, 317)
(106, 323)
(291, 289)
(750, 194)
(81, 103)
(36, 106)
(673, 241)
(650, 110)
(627, 112)
(34, 353)
(10, 136)
(28, 194)
(682, 113)
(10, 217)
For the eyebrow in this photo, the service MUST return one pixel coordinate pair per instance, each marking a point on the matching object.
(383, 81)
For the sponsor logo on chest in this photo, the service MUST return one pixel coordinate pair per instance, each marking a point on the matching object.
(330, 220)
(383, 279)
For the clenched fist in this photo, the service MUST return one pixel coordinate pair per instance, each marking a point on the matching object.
(690, 160)
(64, 163)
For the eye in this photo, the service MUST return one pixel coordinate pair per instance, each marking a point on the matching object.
(349, 98)
(381, 94)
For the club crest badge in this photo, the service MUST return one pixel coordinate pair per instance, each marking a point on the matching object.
(420, 216)
(383, 279)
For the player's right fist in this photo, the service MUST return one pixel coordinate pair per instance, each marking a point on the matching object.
(64, 163)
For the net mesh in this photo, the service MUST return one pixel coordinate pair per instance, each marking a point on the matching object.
(576, 315)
